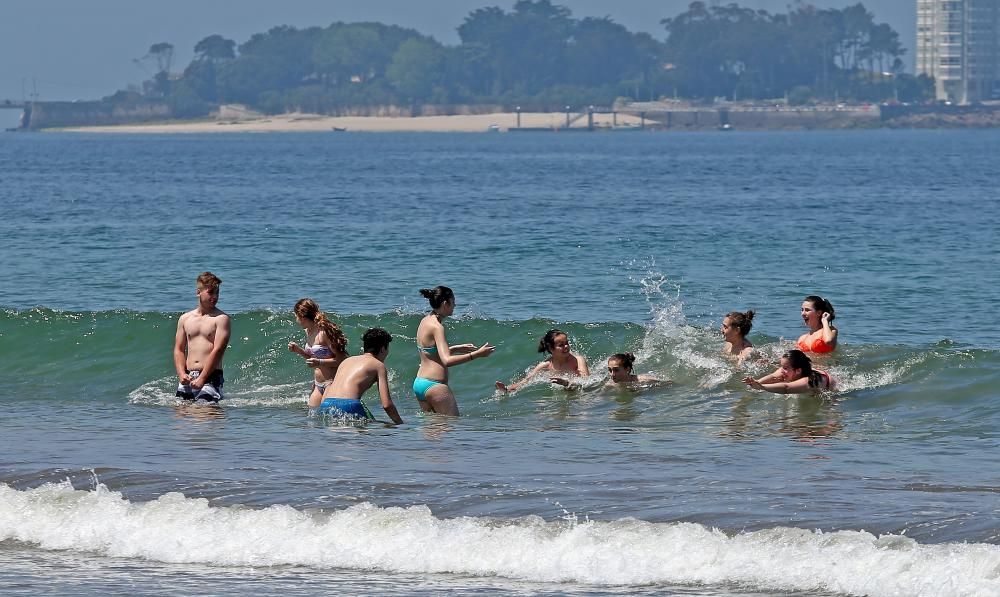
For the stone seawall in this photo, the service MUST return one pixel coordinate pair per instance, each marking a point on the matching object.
(750, 118)
(43, 115)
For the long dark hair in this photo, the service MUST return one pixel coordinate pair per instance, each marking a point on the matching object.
(822, 305)
(548, 341)
(438, 295)
(798, 360)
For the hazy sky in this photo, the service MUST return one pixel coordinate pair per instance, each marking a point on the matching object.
(70, 49)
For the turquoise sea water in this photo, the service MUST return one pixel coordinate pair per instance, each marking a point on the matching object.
(638, 242)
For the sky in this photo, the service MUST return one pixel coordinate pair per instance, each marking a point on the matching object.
(68, 49)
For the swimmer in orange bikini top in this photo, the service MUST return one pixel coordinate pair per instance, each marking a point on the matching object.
(818, 345)
(817, 314)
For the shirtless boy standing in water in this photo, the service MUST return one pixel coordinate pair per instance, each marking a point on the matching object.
(202, 337)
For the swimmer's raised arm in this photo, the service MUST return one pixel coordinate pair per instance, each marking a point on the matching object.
(829, 332)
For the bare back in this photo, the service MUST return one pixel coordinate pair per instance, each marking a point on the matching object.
(354, 376)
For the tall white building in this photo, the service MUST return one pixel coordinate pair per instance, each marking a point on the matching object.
(958, 43)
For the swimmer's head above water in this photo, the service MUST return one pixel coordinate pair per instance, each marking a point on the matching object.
(554, 341)
(736, 325)
(620, 367)
(375, 341)
(441, 299)
(813, 308)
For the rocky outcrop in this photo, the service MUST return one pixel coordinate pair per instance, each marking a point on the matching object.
(942, 116)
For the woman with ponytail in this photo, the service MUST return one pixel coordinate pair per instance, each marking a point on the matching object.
(325, 348)
(795, 376)
(436, 356)
(818, 316)
(561, 360)
(735, 327)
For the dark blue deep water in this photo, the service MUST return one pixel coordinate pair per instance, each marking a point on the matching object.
(637, 242)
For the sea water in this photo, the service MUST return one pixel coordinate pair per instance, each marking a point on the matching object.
(628, 242)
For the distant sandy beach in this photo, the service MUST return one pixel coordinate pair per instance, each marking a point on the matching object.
(289, 123)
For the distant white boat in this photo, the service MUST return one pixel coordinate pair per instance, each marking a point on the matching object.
(493, 128)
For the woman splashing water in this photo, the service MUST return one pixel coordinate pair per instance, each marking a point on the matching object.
(561, 360)
(794, 376)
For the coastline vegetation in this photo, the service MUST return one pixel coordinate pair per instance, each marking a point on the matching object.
(539, 57)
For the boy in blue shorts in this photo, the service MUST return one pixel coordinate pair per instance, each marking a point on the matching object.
(357, 374)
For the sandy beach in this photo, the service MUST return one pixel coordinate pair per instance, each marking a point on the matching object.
(476, 123)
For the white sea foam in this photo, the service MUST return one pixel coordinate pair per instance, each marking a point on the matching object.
(626, 552)
(161, 392)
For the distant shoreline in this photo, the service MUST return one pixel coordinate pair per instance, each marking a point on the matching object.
(291, 123)
(708, 119)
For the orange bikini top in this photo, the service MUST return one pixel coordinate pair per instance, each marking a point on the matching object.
(818, 345)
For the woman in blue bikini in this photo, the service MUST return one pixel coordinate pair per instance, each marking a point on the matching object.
(326, 346)
(431, 383)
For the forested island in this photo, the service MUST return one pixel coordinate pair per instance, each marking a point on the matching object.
(714, 66)
(538, 56)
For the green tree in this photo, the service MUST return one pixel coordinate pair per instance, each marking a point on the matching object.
(274, 61)
(417, 68)
(215, 48)
(163, 54)
(602, 52)
(526, 48)
(344, 52)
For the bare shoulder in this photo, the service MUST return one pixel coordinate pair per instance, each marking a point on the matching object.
(186, 318)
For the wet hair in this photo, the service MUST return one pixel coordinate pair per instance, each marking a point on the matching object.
(438, 295)
(208, 280)
(625, 358)
(375, 340)
(821, 304)
(308, 309)
(548, 341)
(798, 360)
(743, 321)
